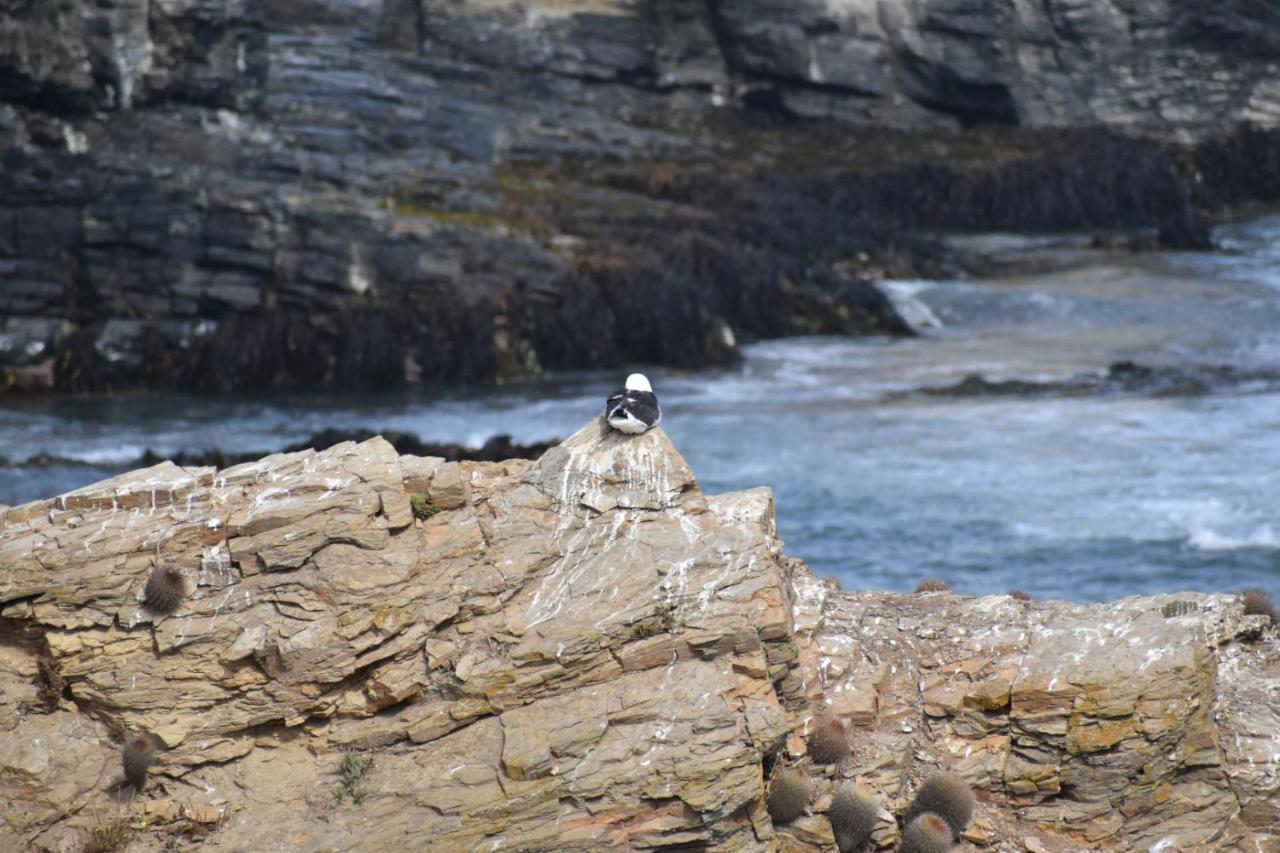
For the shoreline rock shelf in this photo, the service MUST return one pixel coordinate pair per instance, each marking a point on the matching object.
(582, 652)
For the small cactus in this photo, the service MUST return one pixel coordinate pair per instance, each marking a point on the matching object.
(933, 585)
(928, 833)
(139, 752)
(165, 589)
(946, 795)
(853, 815)
(789, 795)
(1258, 603)
(1020, 595)
(50, 682)
(828, 743)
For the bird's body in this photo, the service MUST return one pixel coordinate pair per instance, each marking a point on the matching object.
(633, 409)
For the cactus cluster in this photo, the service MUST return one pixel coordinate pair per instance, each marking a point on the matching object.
(139, 752)
(946, 795)
(165, 589)
(928, 833)
(828, 744)
(853, 815)
(789, 795)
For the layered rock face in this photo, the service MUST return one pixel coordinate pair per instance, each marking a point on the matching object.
(87, 54)
(1156, 63)
(209, 196)
(587, 652)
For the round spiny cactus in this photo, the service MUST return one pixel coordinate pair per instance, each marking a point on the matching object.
(1020, 595)
(828, 743)
(789, 795)
(166, 587)
(946, 795)
(1258, 603)
(853, 815)
(139, 751)
(928, 833)
(933, 585)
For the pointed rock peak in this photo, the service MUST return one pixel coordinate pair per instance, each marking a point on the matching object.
(602, 468)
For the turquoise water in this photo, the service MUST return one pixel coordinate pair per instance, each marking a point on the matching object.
(1081, 498)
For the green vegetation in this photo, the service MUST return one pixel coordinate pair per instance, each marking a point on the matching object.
(661, 621)
(464, 218)
(422, 506)
(350, 777)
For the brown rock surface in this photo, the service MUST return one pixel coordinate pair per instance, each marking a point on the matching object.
(583, 653)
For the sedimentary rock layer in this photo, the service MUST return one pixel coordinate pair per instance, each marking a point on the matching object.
(1152, 63)
(203, 196)
(584, 652)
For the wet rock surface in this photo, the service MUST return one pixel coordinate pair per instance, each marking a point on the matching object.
(580, 652)
(217, 196)
(1120, 378)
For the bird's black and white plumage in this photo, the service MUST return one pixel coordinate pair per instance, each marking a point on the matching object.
(634, 408)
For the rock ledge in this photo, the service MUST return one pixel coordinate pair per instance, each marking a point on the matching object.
(585, 652)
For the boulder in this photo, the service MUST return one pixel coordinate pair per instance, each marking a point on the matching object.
(582, 652)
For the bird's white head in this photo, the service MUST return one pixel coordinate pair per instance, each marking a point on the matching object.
(638, 382)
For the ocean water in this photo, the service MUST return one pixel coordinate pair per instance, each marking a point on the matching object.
(1072, 497)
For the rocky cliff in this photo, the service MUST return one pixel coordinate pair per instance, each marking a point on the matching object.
(218, 195)
(1153, 63)
(586, 652)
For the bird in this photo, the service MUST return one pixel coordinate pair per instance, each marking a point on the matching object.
(633, 408)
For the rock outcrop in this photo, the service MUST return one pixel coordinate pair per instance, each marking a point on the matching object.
(1153, 63)
(208, 196)
(106, 54)
(584, 652)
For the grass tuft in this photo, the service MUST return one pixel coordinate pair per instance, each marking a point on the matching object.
(351, 777)
(108, 837)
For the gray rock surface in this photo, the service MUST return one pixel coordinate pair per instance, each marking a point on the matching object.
(586, 652)
(1155, 63)
(110, 54)
(222, 196)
